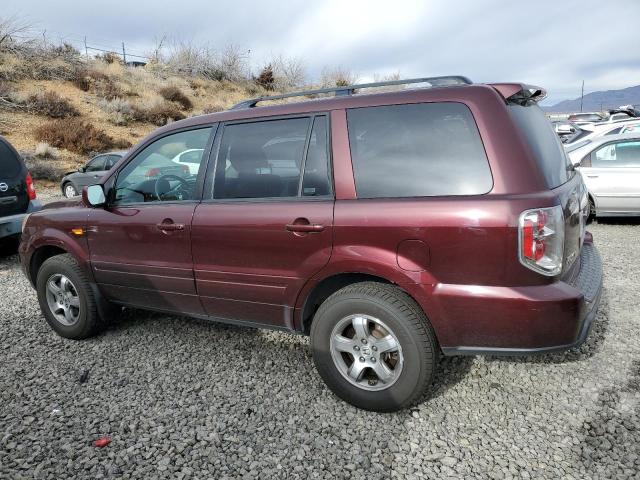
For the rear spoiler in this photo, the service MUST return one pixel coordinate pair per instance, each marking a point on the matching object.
(519, 93)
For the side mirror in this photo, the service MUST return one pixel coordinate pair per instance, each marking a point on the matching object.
(82, 169)
(93, 196)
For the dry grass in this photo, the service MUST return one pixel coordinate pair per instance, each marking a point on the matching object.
(77, 136)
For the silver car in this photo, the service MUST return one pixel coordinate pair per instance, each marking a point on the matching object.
(73, 182)
(610, 167)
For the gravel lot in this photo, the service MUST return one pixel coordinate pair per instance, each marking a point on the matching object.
(183, 398)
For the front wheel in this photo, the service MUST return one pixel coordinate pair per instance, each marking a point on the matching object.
(66, 299)
(70, 190)
(374, 347)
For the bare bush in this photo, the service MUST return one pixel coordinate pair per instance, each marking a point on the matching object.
(9, 98)
(44, 168)
(337, 77)
(174, 94)
(51, 104)
(158, 112)
(89, 80)
(213, 108)
(288, 72)
(44, 150)
(187, 58)
(77, 136)
(119, 110)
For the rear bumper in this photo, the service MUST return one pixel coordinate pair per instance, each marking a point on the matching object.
(12, 225)
(527, 320)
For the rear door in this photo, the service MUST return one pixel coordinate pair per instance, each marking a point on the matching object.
(93, 172)
(612, 175)
(266, 226)
(13, 188)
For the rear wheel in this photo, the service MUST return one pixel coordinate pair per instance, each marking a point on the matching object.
(70, 190)
(374, 347)
(66, 299)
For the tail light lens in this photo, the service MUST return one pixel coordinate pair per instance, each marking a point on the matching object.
(31, 189)
(541, 245)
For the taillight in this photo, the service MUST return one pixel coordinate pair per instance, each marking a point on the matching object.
(541, 246)
(31, 189)
(152, 172)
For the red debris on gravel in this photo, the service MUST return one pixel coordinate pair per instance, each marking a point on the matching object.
(102, 442)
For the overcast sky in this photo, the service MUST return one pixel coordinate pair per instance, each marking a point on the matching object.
(551, 43)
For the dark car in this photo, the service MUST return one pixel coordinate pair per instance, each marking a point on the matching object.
(73, 182)
(391, 228)
(17, 192)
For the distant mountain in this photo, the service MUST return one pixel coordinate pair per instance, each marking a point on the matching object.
(596, 101)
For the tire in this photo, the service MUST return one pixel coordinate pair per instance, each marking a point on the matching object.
(84, 321)
(70, 190)
(591, 213)
(384, 307)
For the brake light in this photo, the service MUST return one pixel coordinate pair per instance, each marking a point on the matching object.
(31, 189)
(541, 234)
(152, 172)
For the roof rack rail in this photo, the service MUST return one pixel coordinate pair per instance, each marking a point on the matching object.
(350, 89)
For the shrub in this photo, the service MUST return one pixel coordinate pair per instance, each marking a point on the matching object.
(77, 136)
(44, 150)
(51, 104)
(158, 113)
(174, 94)
(44, 169)
(337, 77)
(111, 57)
(97, 82)
(119, 111)
(266, 79)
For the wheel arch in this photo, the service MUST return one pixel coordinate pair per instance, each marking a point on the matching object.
(41, 255)
(326, 287)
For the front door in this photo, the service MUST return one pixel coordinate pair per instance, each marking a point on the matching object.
(266, 227)
(140, 243)
(613, 177)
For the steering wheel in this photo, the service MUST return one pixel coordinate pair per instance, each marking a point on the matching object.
(164, 179)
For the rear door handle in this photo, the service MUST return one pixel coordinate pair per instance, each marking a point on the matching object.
(304, 228)
(170, 227)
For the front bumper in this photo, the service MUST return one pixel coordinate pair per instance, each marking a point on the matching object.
(12, 225)
(529, 320)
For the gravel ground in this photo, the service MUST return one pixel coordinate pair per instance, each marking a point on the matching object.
(183, 398)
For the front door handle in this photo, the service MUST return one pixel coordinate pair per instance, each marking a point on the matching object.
(170, 227)
(303, 225)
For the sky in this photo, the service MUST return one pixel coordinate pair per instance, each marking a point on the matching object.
(555, 44)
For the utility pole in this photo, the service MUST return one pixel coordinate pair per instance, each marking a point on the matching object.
(581, 95)
(86, 50)
(124, 54)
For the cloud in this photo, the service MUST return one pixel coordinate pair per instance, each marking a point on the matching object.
(548, 43)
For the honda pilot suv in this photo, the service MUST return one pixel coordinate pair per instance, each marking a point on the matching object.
(390, 227)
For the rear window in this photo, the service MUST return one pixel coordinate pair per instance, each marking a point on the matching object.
(10, 165)
(544, 143)
(417, 150)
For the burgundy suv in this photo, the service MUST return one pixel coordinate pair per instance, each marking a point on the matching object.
(391, 227)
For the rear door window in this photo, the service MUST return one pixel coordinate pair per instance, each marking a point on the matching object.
(10, 165)
(261, 159)
(417, 150)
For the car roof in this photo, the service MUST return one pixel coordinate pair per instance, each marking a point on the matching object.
(613, 138)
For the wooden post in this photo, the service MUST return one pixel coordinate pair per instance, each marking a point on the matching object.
(86, 51)
(124, 54)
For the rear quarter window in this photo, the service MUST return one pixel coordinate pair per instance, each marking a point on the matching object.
(544, 143)
(10, 164)
(417, 150)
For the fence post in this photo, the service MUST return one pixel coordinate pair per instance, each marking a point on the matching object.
(86, 51)
(124, 54)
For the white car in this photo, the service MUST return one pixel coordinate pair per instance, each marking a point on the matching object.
(594, 131)
(610, 167)
(190, 158)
